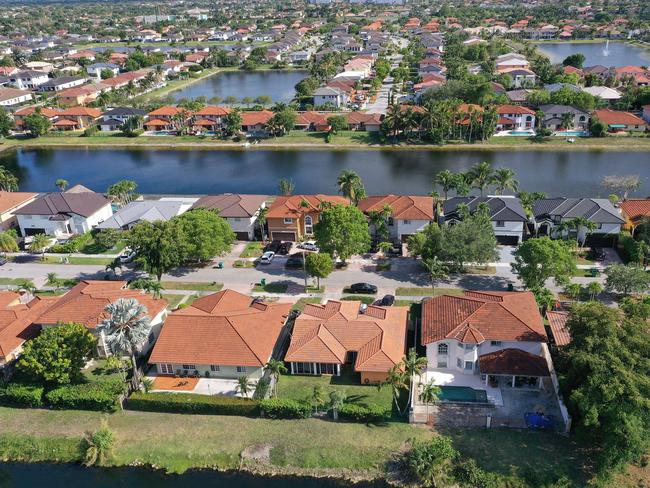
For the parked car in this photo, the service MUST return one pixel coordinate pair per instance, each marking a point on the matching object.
(3, 261)
(295, 261)
(127, 256)
(363, 288)
(308, 246)
(273, 246)
(387, 301)
(267, 257)
(284, 248)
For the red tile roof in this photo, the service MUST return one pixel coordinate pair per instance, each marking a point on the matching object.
(12, 199)
(260, 117)
(81, 112)
(45, 111)
(213, 110)
(225, 328)
(557, 322)
(325, 333)
(404, 207)
(166, 110)
(617, 117)
(513, 362)
(500, 316)
(636, 209)
(295, 205)
(514, 109)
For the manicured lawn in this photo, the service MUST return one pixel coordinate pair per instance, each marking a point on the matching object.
(23, 282)
(367, 299)
(252, 250)
(241, 263)
(192, 285)
(301, 388)
(76, 260)
(93, 248)
(300, 304)
(315, 289)
(97, 373)
(64, 282)
(426, 291)
(271, 288)
(173, 298)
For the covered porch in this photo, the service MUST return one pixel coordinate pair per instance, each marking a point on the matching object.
(513, 368)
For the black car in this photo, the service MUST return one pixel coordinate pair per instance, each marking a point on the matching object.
(387, 301)
(284, 248)
(273, 246)
(363, 288)
(295, 261)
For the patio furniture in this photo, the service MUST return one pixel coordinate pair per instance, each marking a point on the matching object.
(195, 374)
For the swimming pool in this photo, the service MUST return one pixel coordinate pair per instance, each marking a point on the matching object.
(571, 133)
(462, 394)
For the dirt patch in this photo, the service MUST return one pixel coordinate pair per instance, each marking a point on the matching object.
(259, 453)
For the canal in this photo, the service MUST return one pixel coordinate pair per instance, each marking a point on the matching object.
(173, 171)
(616, 54)
(21, 475)
(277, 84)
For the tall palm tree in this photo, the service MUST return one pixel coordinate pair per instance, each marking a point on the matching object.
(7, 243)
(244, 386)
(398, 381)
(39, 243)
(8, 181)
(481, 175)
(275, 368)
(125, 329)
(429, 394)
(579, 223)
(445, 179)
(413, 366)
(337, 399)
(350, 186)
(61, 184)
(504, 179)
(287, 187)
(261, 219)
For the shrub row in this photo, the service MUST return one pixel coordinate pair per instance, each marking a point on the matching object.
(627, 247)
(86, 396)
(282, 408)
(191, 403)
(20, 395)
(359, 413)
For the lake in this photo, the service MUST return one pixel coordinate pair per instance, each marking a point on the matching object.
(620, 53)
(20, 475)
(558, 173)
(277, 84)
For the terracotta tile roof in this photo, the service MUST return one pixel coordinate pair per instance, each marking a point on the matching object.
(45, 111)
(616, 117)
(513, 362)
(225, 328)
(325, 333)
(213, 110)
(232, 204)
(295, 205)
(12, 199)
(312, 117)
(17, 320)
(156, 123)
(81, 112)
(65, 123)
(636, 209)
(514, 109)
(478, 316)
(260, 117)
(85, 303)
(557, 322)
(404, 207)
(166, 111)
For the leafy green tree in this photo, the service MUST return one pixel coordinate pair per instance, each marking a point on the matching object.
(626, 279)
(284, 120)
(378, 219)
(56, 356)
(61, 184)
(8, 181)
(233, 122)
(132, 127)
(107, 238)
(342, 231)
(319, 265)
(206, 233)
(6, 124)
(275, 369)
(538, 259)
(317, 397)
(351, 186)
(160, 246)
(431, 461)
(337, 123)
(37, 124)
(436, 270)
(472, 240)
(148, 285)
(337, 399)
(576, 60)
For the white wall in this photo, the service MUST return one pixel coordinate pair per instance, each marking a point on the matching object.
(412, 227)
(508, 229)
(229, 372)
(77, 223)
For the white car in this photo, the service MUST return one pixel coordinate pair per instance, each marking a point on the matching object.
(309, 246)
(267, 257)
(127, 256)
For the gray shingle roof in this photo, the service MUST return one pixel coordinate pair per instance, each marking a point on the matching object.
(59, 204)
(504, 208)
(598, 210)
(149, 210)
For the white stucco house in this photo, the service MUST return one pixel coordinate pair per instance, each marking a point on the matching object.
(327, 95)
(241, 211)
(28, 79)
(409, 214)
(63, 214)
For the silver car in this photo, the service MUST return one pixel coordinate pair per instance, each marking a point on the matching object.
(267, 257)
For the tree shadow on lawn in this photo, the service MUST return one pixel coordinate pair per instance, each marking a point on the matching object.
(482, 282)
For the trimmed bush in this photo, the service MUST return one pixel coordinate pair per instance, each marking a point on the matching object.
(20, 395)
(86, 396)
(191, 403)
(284, 408)
(360, 413)
(626, 247)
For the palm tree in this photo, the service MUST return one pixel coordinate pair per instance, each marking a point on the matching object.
(437, 270)
(504, 179)
(244, 386)
(8, 181)
(275, 368)
(429, 394)
(350, 186)
(579, 223)
(481, 175)
(567, 121)
(125, 329)
(52, 279)
(7, 243)
(337, 399)
(528, 200)
(445, 179)
(594, 288)
(286, 187)
(413, 365)
(317, 397)
(261, 219)
(154, 287)
(379, 221)
(61, 184)
(398, 381)
(39, 243)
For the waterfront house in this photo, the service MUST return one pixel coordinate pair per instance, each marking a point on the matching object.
(619, 121)
(292, 218)
(80, 117)
(19, 115)
(241, 211)
(11, 97)
(554, 117)
(635, 212)
(112, 119)
(254, 123)
(211, 118)
(86, 302)
(551, 213)
(506, 213)
(224, 335)
(327, 339)
(145, 210)
(368, 122)
(18, 314)
(10, 201)
(515, 117)
(63, 214)
(408, 214)
(327, 95)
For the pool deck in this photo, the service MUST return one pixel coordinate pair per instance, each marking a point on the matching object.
(442, 377)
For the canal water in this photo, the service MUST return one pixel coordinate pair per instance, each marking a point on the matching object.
(22, 475)
(277, 84)
(558, 173)
(617, 54)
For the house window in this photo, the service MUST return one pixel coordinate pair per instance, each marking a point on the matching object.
(495, 343)
(390, 221)
(237, 219)
(442, 364)
(407, 222)
(214, 367)
(459, 362)
(460, 344)
(189, 366)
(469, 347)
(501, 223)
(443, 349)
(327, 368)
(469, 365)
(166, 369)
(241, 369)
(309, 226)
(288, 221)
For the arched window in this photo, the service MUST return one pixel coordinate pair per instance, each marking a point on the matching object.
(529, 118)
(309, 227)
(443, 349)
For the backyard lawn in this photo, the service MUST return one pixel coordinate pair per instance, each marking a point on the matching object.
(192, 285)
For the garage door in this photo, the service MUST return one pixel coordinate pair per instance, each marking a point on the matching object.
(508, 240)
(242, 236)
(33, 232)
(283, 236)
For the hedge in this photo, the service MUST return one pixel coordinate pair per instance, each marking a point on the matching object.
(86, 396)
(193, 404)
(367, 415)
(20, 395)
(626, 247)
(282, 408)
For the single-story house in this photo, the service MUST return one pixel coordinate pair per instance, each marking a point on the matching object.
(223, 335)
(10, 201)
(619, 121)
(409, 214)
(10, 97)
(254, 123)
(605, 93)
(327, 338)
(145, 210)
(61, 83)
(241, 211)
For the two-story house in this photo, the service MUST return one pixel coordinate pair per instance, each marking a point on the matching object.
(327, 95)
(293, 217)
(515, 117)
(115, 117)
(408, 214)
(146, 210)
(241, 211)
(10, 201)
(554, 117)
(28, 79)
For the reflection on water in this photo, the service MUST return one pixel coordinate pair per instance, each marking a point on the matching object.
(619, 53)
